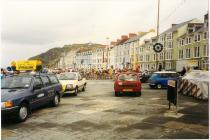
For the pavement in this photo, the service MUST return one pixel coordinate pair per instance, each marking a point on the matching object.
(98, 114)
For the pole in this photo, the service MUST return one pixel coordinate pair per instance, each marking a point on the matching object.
(107, 48)
(157, 32)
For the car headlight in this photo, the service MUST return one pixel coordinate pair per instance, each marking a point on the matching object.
(7, 104)
(69, 86)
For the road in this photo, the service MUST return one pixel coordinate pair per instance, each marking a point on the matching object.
(98, 114)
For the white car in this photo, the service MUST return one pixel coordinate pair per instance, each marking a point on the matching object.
(72, 82)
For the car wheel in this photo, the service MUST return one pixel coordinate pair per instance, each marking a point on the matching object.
(159, 86)
(76, 91)
(56, 100)
(83, 89)
(23, 112)
(117, 94)
(137, 94)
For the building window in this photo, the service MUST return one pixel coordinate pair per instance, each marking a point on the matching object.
(169, 36)
(205, 35)
(180, 54)
(169, 44)
(188, 40)
(154, 57)
(147, 57)
(182, 42)
(205, 50)
(187, 54)
(197, 38)
(190, 30)
(197, 51)
(141, 58)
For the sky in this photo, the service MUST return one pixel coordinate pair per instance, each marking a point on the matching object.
(31, 27)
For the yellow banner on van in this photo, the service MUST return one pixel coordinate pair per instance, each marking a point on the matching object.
(27, 65)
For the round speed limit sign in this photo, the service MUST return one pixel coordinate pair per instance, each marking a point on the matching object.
(157, 47)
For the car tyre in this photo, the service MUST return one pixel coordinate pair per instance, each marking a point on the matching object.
(137, 94)
(83, 89)
(56, 100)
(76, 91)
(23, 112)
(159, 86)
(117, 94)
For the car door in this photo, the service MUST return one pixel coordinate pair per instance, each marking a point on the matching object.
(80, 84)
(49, 89)
(164, 79)
(38, 93)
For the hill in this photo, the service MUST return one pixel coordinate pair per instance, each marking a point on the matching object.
(52, 56)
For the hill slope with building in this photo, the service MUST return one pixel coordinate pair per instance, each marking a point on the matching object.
(52, 56)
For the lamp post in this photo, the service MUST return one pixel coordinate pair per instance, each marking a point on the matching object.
(157, 32)
(107, 50)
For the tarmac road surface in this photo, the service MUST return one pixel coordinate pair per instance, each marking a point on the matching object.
(98, 114)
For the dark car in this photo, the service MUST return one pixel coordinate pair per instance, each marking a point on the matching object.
(22, 93)
(127, 83)
(144, 76)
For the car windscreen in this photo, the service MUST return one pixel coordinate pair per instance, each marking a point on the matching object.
(127, 77)
(16, 82)
(154, 75)
(67, 76)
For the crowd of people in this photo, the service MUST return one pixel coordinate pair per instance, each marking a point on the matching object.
(95, 74)
(92, 74)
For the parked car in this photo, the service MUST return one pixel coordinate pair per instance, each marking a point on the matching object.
(22, 93)
(144, 76)
(72, 82)
(127, 83)
(160, 79)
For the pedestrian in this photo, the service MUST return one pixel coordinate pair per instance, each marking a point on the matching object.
(3, 74)
(183, 71)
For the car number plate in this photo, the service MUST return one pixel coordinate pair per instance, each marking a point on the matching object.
(127, 90)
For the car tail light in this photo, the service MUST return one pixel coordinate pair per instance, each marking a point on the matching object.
(120, 83)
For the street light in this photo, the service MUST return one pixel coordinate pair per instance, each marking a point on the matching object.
(107, 49)
(157, 32)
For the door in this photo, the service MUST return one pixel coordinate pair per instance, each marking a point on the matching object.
(38, 93)
(49, 89)
(80, 82)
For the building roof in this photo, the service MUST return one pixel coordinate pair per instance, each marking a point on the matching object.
(202, 29)
(135, 38)
(176, 26)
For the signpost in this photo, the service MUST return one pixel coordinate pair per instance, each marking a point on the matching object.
(172, 94)
(158, 47)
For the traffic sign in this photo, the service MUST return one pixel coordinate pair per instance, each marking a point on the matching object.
(158, 47)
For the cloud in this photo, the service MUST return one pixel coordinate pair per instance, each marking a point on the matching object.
(31, 27)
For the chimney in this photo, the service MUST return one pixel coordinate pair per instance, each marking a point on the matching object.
(118, 41)
(132, 35)
(113, 43)
(123, 37)
(172, 25)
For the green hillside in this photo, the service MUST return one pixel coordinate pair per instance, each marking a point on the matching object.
(52, 56)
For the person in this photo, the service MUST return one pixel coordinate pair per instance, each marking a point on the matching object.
(3, 74)
(183, 71)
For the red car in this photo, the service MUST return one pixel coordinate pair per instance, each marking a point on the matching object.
(127, 83)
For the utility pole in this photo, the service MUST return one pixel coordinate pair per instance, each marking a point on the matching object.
(107, 49)
(157, 32)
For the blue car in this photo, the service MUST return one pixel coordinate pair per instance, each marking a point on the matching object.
(160, 79)
(22, 93)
